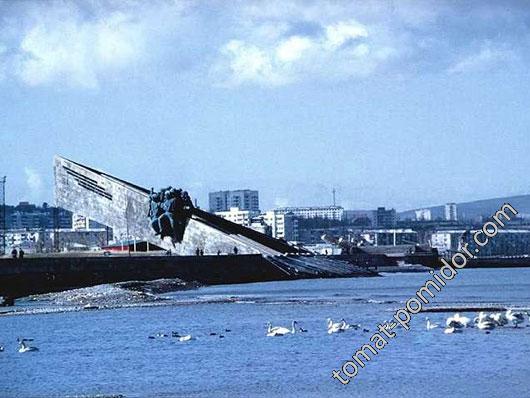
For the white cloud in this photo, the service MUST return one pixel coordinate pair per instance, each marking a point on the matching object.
(250, 63)
(338, 50)
(64, 45)
(486, 58)
(340, 33)
(293, 48)
(312, 40)
(84, 43)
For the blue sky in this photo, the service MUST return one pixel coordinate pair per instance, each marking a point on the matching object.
(401, 104)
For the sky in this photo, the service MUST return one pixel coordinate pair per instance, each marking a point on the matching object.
(401, 104)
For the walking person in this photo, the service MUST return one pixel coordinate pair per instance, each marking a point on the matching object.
(14, 253)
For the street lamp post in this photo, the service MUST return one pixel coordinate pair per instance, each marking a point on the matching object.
(3, 181)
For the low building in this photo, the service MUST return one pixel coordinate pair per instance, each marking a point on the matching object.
(131, 246)
(389, 237)
(53, 240)
(324, 249)
(313, 236)
(507, 242)
(30, 240)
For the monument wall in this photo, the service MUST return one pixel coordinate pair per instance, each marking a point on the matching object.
(125, 206)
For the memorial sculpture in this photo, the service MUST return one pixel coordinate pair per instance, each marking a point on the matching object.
(169, 212)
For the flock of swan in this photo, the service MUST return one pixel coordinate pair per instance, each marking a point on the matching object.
(454, 324)
(457, 323)
(272, 331)
(332, 327)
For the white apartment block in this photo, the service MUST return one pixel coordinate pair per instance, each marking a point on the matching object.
(241, 217)
(329, 212)
(450, 212)
(423, 215)
(283, 225)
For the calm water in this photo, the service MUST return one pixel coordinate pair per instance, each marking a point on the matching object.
(108, 351)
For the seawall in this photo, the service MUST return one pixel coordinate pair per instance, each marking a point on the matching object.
(23, 277)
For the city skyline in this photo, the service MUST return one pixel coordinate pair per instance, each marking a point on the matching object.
(401, 105)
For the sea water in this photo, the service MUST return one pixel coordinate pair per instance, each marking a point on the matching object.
(108, 352)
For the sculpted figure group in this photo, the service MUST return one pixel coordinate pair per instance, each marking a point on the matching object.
(169, 211)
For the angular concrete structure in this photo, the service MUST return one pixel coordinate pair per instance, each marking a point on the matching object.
(125, 206)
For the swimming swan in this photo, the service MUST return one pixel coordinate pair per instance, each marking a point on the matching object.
(458, 321)
(280, 330)
(486, 325)
(431, 325)
(514, 317)
(451, 330)
(23, 347)
(499, 318)
(337, 327)
(187, 337)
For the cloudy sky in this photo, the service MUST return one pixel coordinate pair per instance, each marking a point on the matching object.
(397, 103)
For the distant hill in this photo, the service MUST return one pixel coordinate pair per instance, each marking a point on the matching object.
(477, 208)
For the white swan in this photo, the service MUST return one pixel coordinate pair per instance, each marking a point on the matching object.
(514, 317)
(499, 318)
(486, 325)
(458, 321)
(23, 347)
(430, 325)
(451, 329)
(336, 327)
(345, 325)
(280, 330)
(482, 317)
(187, 337)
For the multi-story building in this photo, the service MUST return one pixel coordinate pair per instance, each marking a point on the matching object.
(283, 225)
(423, 215)
(385, 218)
(361, 218)
(450, 212)
(327, 212)
(244, 199)
(238, 216)
(29, 216)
